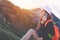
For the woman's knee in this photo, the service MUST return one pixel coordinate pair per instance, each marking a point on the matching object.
(31, 30)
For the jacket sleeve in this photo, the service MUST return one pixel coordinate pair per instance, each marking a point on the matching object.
(49, 28)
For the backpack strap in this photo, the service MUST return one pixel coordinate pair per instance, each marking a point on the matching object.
(48, 22)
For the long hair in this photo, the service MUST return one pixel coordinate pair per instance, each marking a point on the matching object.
(48, 16)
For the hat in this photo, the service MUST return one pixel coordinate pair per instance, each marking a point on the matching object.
(48, 9)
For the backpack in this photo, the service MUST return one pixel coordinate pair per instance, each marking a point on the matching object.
(56, 31)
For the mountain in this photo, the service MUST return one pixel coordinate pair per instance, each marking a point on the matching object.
(36, 13)
(6, 30)
(15, 22)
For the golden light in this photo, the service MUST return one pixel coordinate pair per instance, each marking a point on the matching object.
(28, 4)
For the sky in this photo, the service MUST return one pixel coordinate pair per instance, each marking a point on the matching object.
(31, 4)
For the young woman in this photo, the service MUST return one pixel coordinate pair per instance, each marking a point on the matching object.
(43, 32)
(46, 30)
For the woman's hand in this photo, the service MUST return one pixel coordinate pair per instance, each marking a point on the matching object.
(38, 26)
(42, 22)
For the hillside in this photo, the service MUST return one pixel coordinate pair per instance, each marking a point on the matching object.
(15, 22)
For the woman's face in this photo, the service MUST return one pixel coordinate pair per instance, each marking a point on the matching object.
(43, 12)
(44, 18)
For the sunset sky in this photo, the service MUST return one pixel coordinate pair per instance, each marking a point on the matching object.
(30, 4)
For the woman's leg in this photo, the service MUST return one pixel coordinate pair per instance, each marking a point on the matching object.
(30, 33)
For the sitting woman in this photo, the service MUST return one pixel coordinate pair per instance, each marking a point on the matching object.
(44, 30)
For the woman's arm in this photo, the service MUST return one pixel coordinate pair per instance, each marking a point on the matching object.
(38, 26)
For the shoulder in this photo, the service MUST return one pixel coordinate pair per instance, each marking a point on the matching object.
(49, 24)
